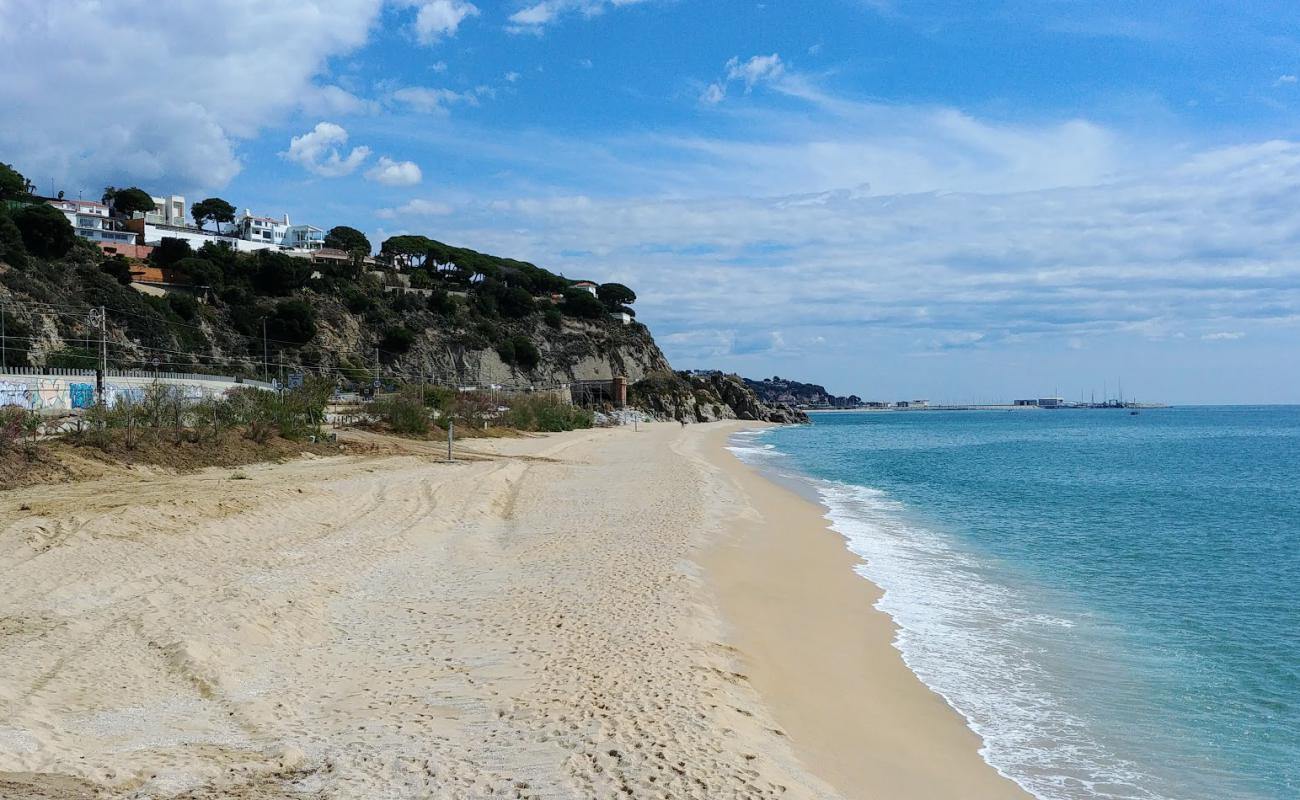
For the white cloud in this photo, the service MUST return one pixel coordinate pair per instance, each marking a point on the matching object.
(533, 18)
(1148, 251)
(436, 101)
(395, 173)
(713, 94)
(183, 138)
(439, 18)
(416, 208)
(319, 151)
(1223, 336)
(439, 67)
(511, 77)
(755, 70)
(1285, 80)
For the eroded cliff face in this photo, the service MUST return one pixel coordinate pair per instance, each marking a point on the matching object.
(707, 398)
(351, 328)
(445, 352)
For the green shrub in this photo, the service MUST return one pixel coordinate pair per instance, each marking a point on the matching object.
(292, 321)
(73, 358)
(553, 318)
(404, 413)
(526, 354)
(580, 303)
(118, 268)
(397, 340)
(185, 306)
(45, 231)
(545, 413)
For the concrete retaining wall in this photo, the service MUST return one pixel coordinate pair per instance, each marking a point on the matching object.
(64, 391)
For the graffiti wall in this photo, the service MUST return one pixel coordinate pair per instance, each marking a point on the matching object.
(53, 395)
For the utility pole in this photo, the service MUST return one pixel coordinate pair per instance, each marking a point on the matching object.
(98, 317)
(103, 340)
(265, 355)
(451, 426)
(3, 359)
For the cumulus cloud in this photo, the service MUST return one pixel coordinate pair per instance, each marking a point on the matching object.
(1223, 336)
(1285, 80)
(395, 173)
(320, 151)
(437, 19)
(181, 139)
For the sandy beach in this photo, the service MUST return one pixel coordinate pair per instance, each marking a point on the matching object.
(594, 614)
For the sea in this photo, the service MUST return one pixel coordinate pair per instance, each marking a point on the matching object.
(1112, 601)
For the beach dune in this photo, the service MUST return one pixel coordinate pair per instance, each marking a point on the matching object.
(595, 614)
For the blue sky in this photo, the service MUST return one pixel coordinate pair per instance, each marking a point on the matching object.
(954, 200)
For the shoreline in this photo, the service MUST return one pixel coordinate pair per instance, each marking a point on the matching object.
(787, 589)
(590, 614)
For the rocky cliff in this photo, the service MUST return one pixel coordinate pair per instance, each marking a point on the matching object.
(788, 392)
(248, 316)
(707, 397)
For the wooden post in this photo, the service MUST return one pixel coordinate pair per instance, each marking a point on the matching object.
(451, 425)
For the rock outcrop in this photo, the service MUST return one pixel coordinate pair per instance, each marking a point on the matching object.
(707, 398)
(795, 393)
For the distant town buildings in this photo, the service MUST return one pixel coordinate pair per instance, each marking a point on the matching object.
(1043, 402)
(912, 404)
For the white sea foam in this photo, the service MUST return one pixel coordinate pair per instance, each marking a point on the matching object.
(974, 641)
(969, 639)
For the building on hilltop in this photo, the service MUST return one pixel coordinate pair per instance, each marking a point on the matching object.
(261, 229)
(586, 286)
(169, 210)
(91, 221)
(303, 237)
(149, 233)
(270, 232)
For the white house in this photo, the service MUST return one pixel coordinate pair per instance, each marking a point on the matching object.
(91, 221)
(303, 237)
(261, 229)
(270, 232)
(623, 317)
(153, 234)
(169, 210)
(586, 286)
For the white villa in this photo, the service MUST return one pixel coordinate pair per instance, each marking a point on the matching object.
(269, 231)
(91, 221)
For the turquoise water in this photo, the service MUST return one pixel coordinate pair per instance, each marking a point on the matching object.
(1112, 601)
